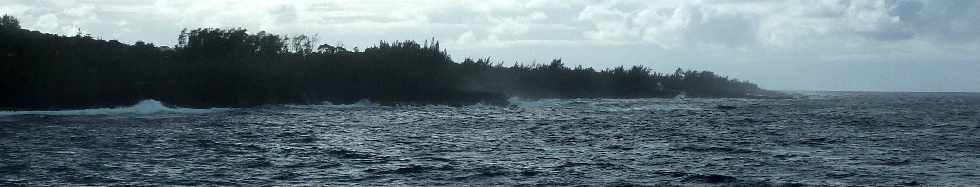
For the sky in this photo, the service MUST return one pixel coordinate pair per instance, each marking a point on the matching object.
(843, 45)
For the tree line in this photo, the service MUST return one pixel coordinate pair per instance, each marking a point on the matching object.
(212, 67)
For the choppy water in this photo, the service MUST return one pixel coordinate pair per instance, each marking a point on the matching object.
(827, 139)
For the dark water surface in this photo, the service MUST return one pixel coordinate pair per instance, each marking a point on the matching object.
(828, 139)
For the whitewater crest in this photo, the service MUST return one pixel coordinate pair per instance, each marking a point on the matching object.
(144, 107)
(607, 105)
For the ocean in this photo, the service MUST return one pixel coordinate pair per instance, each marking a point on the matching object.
(817, 139)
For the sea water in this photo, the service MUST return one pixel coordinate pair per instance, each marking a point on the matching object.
(820, 139)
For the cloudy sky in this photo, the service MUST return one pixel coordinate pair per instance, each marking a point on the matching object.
(877, 45)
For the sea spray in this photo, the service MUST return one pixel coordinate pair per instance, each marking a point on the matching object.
(144, 107)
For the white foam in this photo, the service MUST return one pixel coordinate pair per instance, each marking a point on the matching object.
(144, 107)
(363, 103)
(536, 103)
(681, 96)
(661, 107)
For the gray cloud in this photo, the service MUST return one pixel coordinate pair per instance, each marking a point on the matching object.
(752, 39)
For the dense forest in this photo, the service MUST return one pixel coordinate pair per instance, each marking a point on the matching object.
(231, 67)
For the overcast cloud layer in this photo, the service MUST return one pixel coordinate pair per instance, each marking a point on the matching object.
(884, 45)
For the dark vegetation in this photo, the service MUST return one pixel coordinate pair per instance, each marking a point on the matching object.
(230, 67)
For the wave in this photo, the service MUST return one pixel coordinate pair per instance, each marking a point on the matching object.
(607, 105)
(536, 103)
(363, 103)
(144, 107)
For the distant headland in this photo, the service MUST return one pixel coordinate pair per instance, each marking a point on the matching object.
(212, 67)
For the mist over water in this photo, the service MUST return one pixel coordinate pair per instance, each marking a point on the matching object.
(144, 107)
(822, 139)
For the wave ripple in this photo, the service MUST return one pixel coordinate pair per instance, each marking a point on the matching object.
(144, 107)
(848, 140)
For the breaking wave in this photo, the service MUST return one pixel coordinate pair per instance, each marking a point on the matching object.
(607, 105)
(142, 108)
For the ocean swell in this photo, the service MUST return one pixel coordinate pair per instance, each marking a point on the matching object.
(144, 107)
